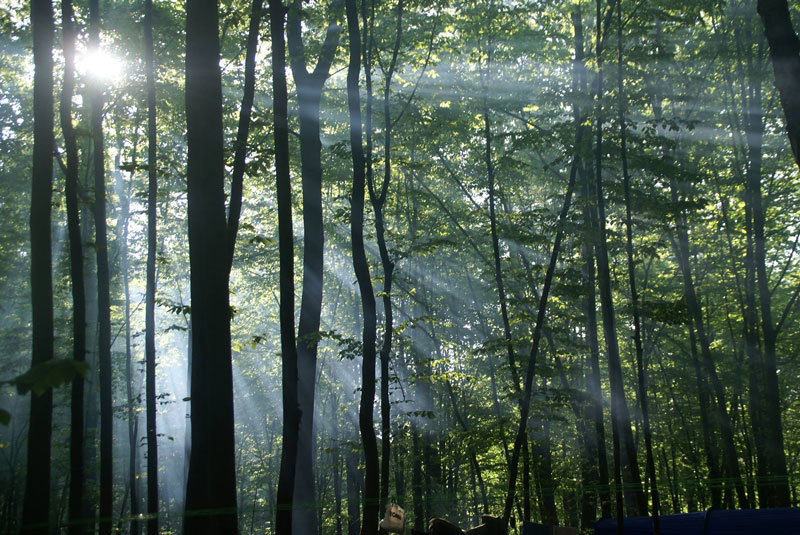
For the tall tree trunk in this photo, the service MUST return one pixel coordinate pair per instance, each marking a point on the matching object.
(606, 300)
(784, 47)
(399, 468)
(594, 408)
(526, 481)
(76, 455)
(548, 484)
(537, 335)
(243, 128)
(36, 501)
(470, 450)
(620, 416)
(211, 487)
(378, 200)
(730, 457)
(709, 445)
(91, 415)
(150, 297)
(371, 497)
(336, 466)
(747, 288)
(103, 286)
(291, 415)
(777, 485)
(490, 174)
(589, 473)
(416, 480)
(309, 92)
(637, 333)
(353, 491)
(717, 414)
(133, 421)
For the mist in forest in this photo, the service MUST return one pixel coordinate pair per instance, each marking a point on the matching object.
(283, 266)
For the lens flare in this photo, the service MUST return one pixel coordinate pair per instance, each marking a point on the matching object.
(99, 65)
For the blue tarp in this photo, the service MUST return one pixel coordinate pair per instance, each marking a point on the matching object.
(712, 522)
(685, 524)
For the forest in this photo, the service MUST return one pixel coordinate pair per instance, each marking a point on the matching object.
(270, 267)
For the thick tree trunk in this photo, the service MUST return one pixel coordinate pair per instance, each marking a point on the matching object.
(103, 287)
(280, 103)
(371, 498)
(309, 92)
(211, 487)
(150, 298)
(36, 501)
(76, 456)
(784, 47)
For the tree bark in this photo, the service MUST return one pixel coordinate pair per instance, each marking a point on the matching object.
(378, 201)
(133, 421)
(309, 92)
(776, 487)
(336, 466)
(637, 333)
(353, 491)
(291, 415)
(76, 456)
(371, 498)
(730, 457)
(150, 321)
(103, 287)
(243, 129)
(594, 408)
(620, 416)
(498, 272)
(36, 501)
(91, 397)
(416, 480)
(537, 334)
(784, 47)
(709, 445)
(211, 487)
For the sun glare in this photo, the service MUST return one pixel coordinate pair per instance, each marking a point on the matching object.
(99, 65)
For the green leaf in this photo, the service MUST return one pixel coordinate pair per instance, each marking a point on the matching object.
(50, 374)
(5, 417)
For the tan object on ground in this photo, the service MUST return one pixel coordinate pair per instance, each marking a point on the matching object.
(393, 521)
